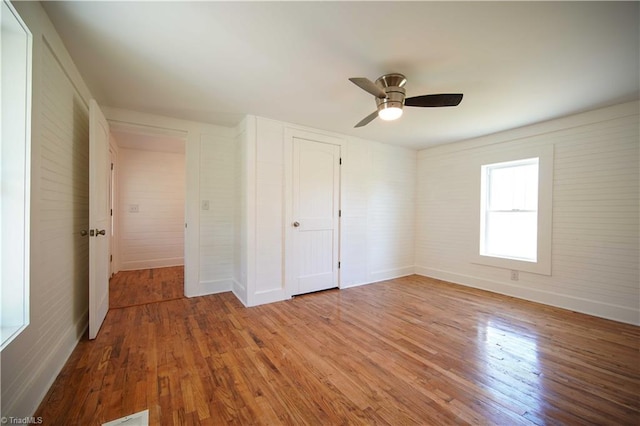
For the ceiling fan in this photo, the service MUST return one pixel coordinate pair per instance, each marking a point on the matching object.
(390, 97)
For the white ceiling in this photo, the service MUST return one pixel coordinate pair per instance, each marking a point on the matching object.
(517, 63)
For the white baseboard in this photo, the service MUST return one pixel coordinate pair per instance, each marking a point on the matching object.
(268, 296)
(32, 390)
(212, 287)
(390, 274)
(136, 265)
(378, 276)
(240, 292)
(590, 307)
(351, 285)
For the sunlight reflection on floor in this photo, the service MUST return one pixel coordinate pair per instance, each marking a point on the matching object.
(511, 364)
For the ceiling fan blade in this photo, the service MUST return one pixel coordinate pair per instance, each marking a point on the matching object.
(441, 100)
(368, 119)
(368, 86)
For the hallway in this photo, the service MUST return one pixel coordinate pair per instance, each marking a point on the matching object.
(133, 288)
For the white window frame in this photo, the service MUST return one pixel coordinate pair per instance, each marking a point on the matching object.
(486, 210)
(15, 169)
(542, 264)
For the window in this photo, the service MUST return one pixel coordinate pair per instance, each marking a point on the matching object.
(509, 210)
(15, 158)
(514, 215)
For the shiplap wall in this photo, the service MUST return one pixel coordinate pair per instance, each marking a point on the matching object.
(241, 214)
(59, 211)
(63, 206)
(155, 182)
(217, 223)
(391, 208)
(595, 241)
(377, 198)
(269, 219)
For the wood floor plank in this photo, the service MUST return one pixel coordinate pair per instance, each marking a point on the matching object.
(407, 351)
(139, 287)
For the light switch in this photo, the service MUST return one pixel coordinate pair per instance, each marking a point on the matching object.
(133, 208)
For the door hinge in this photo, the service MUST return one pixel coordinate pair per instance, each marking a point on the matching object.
(111, 166)
(111, 212)
(338, 265)
(340, 160)
(339, 213)
(110, 258)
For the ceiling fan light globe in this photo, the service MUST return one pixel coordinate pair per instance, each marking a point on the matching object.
(390, 113)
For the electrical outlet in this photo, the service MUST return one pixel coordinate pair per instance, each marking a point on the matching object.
(515, 275)
(133, 208)
(205, 205)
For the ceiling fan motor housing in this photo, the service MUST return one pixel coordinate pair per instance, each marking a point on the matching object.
(389, 94)
(393, 85)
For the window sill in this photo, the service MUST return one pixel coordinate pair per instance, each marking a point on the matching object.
(541, 268)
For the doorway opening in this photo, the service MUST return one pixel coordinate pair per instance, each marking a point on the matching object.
(143, 286)
(148, 215)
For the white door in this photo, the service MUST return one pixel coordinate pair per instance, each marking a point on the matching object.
(316, 199)
(99, 218)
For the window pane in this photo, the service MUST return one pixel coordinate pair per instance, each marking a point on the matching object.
(515, 210)
(513, 187)
(15, 47)
(512, 235)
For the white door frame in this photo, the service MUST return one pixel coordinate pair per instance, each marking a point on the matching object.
(132, 121)
(289, 254)
(144, 130)
(114, 265)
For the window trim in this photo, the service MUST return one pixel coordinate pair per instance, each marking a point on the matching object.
(485, 191)
(545, 198)
(21, 267)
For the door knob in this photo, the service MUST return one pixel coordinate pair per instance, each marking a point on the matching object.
(84, 233)
(296, 224)
(100, 232)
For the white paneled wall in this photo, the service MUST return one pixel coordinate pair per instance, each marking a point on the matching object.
(217, 212)
(354, 248)
(595, 242)
(391, 205)
(151, 208)
(268, 284)
(377, 198)
(59, 211)
(240, 215)
(63, 205)
(378, 192)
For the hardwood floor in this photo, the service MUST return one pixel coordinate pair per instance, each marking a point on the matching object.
(130, 288)
(406, 351)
